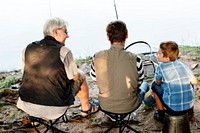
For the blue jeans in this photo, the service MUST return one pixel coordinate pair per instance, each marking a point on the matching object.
(143, 89)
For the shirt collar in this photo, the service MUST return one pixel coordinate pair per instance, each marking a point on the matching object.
(117, 47)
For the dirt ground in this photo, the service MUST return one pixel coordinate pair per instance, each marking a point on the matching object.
(13, 120)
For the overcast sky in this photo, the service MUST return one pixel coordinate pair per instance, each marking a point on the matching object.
(152, 21)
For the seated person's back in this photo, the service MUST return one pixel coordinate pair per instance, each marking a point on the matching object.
(51, 79)
(118, 73)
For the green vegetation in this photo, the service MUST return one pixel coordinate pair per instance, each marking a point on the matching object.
(192, 52)
(80, 60)
(194, 49)
(8, 81)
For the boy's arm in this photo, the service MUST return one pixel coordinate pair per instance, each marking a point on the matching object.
(194, 80)
(158, 76)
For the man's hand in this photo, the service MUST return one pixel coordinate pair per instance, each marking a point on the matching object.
(75, 77)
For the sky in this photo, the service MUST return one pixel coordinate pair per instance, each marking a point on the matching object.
(151, 21)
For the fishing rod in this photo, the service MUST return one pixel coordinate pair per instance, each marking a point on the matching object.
(152, 61)
(50, 8)
(115, 9)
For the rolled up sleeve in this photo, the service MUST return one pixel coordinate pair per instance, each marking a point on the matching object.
(69, 63)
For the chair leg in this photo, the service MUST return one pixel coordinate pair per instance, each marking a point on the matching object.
(121, 128)
(119, 120)
(113, 125)
(49, 126)
(37, 130)
(129, 127)
(52, 128)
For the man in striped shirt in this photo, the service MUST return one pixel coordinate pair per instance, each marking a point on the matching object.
(119, 73)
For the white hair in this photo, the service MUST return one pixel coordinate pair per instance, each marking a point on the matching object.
(52, 24)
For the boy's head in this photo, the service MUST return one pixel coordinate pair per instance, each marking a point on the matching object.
(116, 31)
(168, 50)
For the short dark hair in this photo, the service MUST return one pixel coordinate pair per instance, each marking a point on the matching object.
(116, 31)
(170, 49)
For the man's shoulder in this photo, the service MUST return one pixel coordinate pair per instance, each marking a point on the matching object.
(132, 54)
(101, 53)
(64, 50)
(32, 44)
(127, 54)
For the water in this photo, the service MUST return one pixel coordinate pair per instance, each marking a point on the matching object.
(151, 21)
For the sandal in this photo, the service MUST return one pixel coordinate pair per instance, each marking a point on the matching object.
(94, 107)
(159, 115)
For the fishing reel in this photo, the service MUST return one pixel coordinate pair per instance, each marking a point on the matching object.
(148, 55)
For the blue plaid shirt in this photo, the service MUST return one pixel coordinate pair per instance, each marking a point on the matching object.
(178, 93)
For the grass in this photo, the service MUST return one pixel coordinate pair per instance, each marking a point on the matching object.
(8, 81)
(194, 49)
(192, 52)
(80, 60)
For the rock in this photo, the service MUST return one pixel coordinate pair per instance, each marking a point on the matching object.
(195, 65)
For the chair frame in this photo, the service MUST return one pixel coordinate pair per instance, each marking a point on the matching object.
(119, 120)
(49, 124)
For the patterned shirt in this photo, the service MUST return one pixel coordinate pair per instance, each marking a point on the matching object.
(178, 92)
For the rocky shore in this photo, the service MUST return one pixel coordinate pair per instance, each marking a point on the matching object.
(14, 120)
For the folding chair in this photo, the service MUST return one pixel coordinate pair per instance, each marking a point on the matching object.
(119, 120)
(49, 124)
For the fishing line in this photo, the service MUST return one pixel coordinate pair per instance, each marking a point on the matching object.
(50, 8)
(115, 9)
